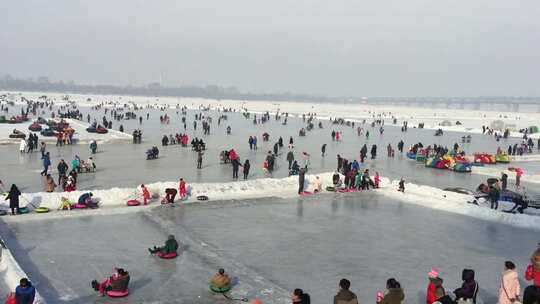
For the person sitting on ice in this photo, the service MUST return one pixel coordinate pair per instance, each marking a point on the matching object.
(152, 153)
(64, 204)
(86, 199)
(220, 280)
(171, 245)
(119, 282)
(295, 168)
(90, 165)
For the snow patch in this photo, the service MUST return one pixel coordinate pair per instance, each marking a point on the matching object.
(81, 135)
(421, 195)
(12, 273)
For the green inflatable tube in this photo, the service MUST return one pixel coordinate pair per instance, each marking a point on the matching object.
(220, 290)
(331, 189)
(23, 210)
(41, 210)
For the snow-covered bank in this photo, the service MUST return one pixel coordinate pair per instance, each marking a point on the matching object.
(81, 135)
(425, 196)
(496, 172)
(11, 273)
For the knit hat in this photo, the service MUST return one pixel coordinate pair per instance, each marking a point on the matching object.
(434, 273)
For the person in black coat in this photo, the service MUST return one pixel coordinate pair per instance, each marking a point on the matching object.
(301, 179)
(373, 151)
(13, 197)
(246, 167)
(469, 288)
(235, 165)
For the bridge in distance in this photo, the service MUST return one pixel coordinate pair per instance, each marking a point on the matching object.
(512, 103)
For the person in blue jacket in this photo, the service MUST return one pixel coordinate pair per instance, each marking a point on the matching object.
(25, 292)
(46, 163)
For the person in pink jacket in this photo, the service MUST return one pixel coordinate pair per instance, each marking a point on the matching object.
(377, 180)
(510, 289)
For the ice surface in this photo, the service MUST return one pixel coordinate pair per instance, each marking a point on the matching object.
(269, 245)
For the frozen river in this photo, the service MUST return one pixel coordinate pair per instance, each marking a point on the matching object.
(272, 246)
(124, 164)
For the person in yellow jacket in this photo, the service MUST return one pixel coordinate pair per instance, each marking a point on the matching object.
(220, 280)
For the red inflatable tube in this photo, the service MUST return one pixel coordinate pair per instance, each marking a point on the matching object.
(170, 255)
(79, 206)
(133, 203)
(118, 294)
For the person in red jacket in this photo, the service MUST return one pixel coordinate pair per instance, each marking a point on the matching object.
(145, 193)
(532, 292)
(434, 283)
(182, 188)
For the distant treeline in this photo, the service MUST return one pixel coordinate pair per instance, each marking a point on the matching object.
(42, 84)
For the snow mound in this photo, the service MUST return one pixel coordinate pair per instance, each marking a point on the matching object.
(496, 172)
(421, 195)
(81, 135)
(11, 273)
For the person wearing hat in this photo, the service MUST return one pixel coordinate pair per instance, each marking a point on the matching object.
(434, 283)
(171, 245)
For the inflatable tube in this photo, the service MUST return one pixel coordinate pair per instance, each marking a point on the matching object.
(133, 203)
(502, 158)
(343, 190)
(35, 127)
(118, 294)
(223, 289)
(420, 158)
(463, 167)
(91, 130)
(17, 136)
(24, 210)
(167, 256)
(306, 193)
(41, 210)
(79, 206)
(411, 155)
(331, 189)
(48, 133)
(202, 198)
(101, 130)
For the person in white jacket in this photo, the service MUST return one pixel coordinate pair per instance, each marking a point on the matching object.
(510, 289)
(317, 187)
(22, 145)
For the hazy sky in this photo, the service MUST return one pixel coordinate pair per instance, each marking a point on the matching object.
(333, 47)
